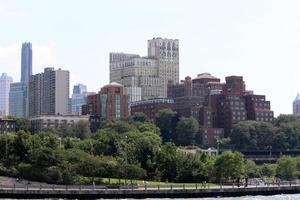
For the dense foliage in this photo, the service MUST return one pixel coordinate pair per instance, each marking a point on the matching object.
(283, 133)
(137, 148)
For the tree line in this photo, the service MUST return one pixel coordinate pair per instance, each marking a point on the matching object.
(282, 134)
(132, 148)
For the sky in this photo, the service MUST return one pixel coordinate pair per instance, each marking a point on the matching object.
(256, 39)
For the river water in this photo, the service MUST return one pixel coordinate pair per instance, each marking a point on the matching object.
(275, 197)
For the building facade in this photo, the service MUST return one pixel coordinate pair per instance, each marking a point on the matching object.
(110, 103)
(18, 100)
(54, 121)
(151, 106)
(218, 105)
(49, 93)
(79, 98)
(18, 96)
(147, 77)
(5, 82)
(26, 62)
(296, 106)
(7, 125)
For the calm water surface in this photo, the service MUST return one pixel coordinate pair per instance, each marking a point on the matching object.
(276, 197)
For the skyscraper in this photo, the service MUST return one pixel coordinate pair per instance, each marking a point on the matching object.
(296, 105)
(49, 93)
(5, 82)
(79, 98)
(18, 99)
(147, 77)
(26, 62)
(18, 96)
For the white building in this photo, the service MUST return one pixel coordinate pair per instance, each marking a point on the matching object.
(147, 77)
(5, 82)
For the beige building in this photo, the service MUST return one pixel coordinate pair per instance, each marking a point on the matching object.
(49, 93)
(55, 121)
(147, 77)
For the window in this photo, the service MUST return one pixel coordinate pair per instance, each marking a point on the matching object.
(117, 106)
(103, 98)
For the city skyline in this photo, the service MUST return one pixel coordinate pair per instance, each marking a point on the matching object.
(257, 40)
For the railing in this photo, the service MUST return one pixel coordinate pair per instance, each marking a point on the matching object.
(198, 186)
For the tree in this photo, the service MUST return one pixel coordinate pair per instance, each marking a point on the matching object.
(190, 168)
(53, 175)
(140, 117)
(82, 130)
(230, 165)
(268, 170)
(186, 130)
(166, 120)
(287, 168)
(252, 135)
(288, 135)
(282, 119)
(252, 170)
(22, 145)
(132, 171)
(22, 124)
(166, 161)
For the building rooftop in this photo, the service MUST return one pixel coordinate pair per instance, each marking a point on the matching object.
(114, 84)
(205, 76)
(297, 98)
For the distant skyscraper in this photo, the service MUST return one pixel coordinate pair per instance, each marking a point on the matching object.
(5, 82)
(147, 77)
(79, 98)
(296, 105)
(49, 93)
(26, 62)
(18, 99)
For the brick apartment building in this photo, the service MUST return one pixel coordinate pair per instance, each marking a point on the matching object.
(109, 103)
(151, 106)
(217, 106)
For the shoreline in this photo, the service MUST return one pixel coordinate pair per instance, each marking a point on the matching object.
(70, 192)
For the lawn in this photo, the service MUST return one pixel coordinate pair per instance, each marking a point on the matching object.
(153, 183)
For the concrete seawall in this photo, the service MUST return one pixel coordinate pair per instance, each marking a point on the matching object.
(32, 193)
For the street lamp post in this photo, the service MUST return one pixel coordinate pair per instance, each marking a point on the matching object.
(126, 160)
(218, 146)
(5, 131)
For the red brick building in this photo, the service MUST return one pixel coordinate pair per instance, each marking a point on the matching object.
(218, 105)
(258, 108)
(151, 106)
(109, 103)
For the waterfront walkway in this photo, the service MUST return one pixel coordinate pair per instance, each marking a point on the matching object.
(96, 192)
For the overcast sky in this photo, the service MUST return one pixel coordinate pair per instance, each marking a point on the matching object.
(257, 39)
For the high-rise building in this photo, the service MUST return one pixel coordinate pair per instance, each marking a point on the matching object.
(18, 99)
(166, 52)
(5, 82)
(79, 98)
(49, 93)
(147, 77)
(296, 106)
(26, 62)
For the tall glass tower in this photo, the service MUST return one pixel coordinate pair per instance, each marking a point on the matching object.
(26, 62)
(5, 82)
